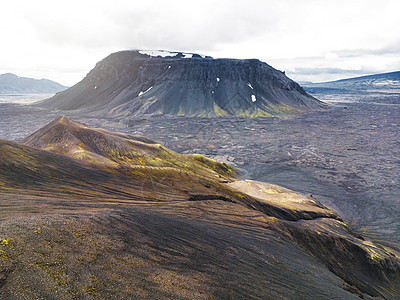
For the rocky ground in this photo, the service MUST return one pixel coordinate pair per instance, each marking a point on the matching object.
(108, 251)
(346, 157)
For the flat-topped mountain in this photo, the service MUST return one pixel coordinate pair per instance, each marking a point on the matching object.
(134, 83)
(13, 84)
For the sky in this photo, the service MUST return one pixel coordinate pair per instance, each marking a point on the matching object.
(311, 40)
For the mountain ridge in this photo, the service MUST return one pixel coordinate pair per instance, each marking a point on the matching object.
(390, 80)
(378, 88)
(394, 74)
(126, 154)
(13, 84)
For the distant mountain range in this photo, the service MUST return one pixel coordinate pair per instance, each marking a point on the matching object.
(134, 83)
(378, 82)
(13, 84)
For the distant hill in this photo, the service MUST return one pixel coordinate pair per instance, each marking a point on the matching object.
(13, 84)
(379, 88)
(378, 82)
(134, 83)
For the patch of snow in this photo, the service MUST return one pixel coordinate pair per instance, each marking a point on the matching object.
(385, 82)
(218, 79)
(250, 86)
(156, 53)
(253, 98)
(165, 53)
(141, 93)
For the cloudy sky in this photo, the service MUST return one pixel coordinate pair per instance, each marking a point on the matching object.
(312, 40)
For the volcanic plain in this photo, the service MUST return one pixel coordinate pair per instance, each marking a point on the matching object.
(84, 227)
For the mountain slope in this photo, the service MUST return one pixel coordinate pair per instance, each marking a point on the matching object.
(141, 157)
(133, 83)
(13, 84)
(161, 219)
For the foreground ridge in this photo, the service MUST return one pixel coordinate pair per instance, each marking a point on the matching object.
(149, 210)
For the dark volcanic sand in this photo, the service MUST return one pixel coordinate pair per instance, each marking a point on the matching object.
(18, 121)
(347, 158)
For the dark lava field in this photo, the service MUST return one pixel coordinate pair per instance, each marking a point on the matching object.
(347, 157)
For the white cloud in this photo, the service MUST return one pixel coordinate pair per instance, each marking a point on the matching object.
(62, 40)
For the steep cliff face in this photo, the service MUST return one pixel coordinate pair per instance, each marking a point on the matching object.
(132, 83)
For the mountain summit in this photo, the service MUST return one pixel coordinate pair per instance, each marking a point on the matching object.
(133, 83)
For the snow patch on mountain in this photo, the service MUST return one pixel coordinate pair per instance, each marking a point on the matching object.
(141, 93)
(165, 53)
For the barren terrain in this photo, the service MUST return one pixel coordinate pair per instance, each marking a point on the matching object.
(66, 245)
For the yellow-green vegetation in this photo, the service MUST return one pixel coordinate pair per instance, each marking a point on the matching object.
(5, 242)
(219, 112)
(91, 289)
(284, 109)
(270, 110)
(257, 112)
(180, 112)
(3, 254)
(376, 252)
(55, 273)
(220, 168)
(115, 108)
(261, 113)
